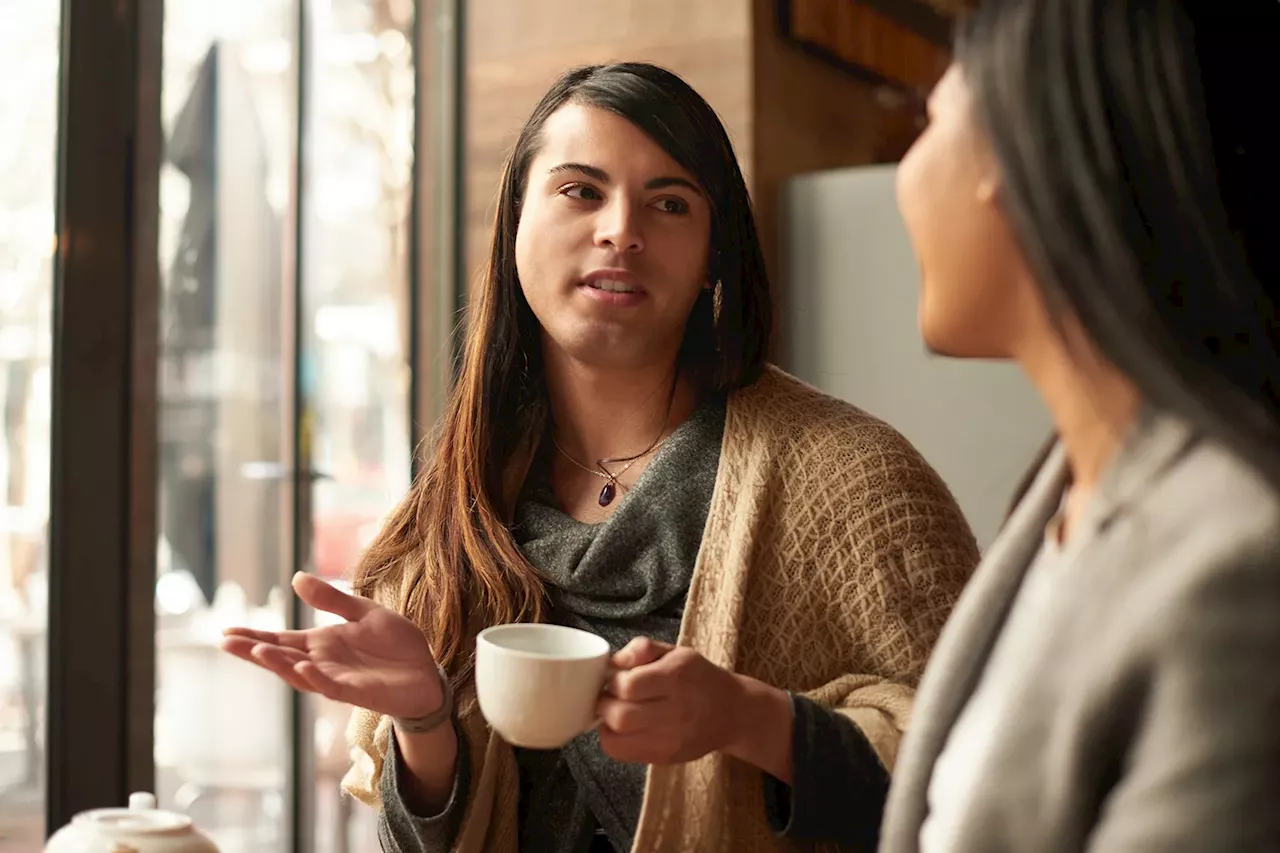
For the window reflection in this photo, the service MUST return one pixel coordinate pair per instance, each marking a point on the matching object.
(227, 428)
(356, 233)
(229, 93)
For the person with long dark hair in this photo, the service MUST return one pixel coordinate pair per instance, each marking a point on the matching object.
(771, 565)
(1094, 198)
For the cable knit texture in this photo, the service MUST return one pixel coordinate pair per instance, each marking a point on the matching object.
(832, 555)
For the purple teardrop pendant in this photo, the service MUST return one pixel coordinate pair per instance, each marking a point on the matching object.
(607, 493)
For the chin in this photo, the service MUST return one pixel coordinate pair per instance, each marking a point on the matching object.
(960, 343)
(936, 342)
(950, 339)
(942, 348)
(601, 348)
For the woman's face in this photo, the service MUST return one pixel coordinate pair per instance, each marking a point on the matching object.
(975, 289)
(613, 241)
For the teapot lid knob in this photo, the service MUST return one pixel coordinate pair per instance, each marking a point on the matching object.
(142, 801)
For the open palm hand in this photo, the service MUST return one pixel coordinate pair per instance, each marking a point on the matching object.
(377, 659)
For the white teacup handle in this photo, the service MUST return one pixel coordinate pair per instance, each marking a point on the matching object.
(610, 671)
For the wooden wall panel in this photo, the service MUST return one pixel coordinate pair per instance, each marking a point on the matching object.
(868, 40)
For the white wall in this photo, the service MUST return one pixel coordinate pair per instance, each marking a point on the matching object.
(850, 324)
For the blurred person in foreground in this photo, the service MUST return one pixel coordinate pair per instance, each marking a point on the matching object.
(1094, 198)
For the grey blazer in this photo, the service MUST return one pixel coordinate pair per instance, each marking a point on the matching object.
(1151, 721)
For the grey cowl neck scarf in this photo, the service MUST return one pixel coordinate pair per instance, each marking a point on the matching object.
(623, 578)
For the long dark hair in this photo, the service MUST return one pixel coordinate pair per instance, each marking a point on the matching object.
(1142, 176)
(447, 552)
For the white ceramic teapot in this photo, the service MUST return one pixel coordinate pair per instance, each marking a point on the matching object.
(141, 828)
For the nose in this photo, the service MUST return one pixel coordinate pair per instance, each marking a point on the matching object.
(618, 227)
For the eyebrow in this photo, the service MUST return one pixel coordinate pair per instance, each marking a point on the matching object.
(598, 174)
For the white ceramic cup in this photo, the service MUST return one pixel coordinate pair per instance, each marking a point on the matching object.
(538, 685)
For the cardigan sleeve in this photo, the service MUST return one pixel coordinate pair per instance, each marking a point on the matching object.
(839, 785)
(488, 823)
(400, 828)
(909, 553)
(913, 553)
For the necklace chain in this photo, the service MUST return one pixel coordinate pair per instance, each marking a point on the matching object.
(602, 472)
(611, 477)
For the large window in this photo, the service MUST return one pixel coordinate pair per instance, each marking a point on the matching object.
(229, 107)
(295, 362)
(355, 366)
(285, 227)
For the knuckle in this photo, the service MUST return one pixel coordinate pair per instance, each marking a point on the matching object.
(685, 656)
(681, 670)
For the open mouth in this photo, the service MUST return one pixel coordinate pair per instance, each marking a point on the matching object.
(612, 286)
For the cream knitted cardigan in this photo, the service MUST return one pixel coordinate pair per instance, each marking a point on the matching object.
(831, 557)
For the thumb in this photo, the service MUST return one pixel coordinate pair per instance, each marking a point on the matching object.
(323, 595)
